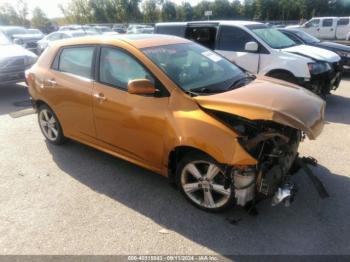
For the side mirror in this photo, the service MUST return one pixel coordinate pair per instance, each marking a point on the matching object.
(141, 87)
(251, 47)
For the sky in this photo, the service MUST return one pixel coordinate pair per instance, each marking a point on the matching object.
(50, 7)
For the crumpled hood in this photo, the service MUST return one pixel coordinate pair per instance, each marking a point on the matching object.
(14, 50)
(313, 52)
(271, 99)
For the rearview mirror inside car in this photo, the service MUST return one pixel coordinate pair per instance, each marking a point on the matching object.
(141, 87)
(251, 47)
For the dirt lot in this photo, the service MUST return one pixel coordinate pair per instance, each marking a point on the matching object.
(75, 200)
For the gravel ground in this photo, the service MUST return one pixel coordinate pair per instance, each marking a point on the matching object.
(75, 200)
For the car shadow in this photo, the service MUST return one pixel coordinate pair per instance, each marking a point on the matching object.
(337, 109)
(13, 98)
(309, 226)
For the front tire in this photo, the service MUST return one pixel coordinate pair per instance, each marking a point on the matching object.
(50, 126)
(202, 182)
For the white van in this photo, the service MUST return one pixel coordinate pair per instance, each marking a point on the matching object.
(262, 50)
(334, 28)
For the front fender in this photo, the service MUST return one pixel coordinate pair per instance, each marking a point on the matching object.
(191, 126)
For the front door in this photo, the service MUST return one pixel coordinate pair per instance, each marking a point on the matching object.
(312, 27)
(231, 44)
(132, 124)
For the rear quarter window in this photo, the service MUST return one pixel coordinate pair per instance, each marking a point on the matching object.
(343, 21)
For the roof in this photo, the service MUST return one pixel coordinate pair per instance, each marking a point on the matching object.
(221, 22)
(137, 40)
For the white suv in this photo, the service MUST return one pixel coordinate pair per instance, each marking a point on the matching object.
(262, 50)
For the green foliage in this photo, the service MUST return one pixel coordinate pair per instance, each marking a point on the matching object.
(152, 11)
(39, 19)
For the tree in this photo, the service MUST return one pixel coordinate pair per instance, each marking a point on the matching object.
(150, 11)
(22, 12)
(168, 12)
(39, 19)
(222, 9)
(184, 12)
(78, 11)
(200, 8)
(8, 15)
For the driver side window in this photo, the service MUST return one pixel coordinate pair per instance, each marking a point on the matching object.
(117, 68)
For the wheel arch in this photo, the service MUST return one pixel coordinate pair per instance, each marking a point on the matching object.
(175, 157)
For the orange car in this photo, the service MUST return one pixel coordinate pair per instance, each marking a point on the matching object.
(178, 109)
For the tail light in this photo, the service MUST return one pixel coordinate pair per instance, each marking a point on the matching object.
(30, 78)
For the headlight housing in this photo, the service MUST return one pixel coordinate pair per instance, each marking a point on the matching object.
(343, 54)
(318, 68)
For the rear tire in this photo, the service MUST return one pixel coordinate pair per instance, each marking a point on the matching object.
(50, 126)
(201, 181)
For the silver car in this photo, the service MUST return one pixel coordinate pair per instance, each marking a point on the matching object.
(58, 35)
(14, 60)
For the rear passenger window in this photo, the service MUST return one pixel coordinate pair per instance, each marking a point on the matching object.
(77, 60)
(343, 21)
(233, 39)
(327, 23)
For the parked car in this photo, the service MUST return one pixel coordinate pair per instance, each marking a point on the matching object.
(327, 27)
(104, 30)
(35, 31)
(140, 29)
(119, 28)
(21, 36)
(263, 50)
(179, 109)
(59, 35)
(14, 60)
(301, 37)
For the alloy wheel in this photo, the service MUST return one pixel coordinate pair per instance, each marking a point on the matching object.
(204, 183)
(48, 124)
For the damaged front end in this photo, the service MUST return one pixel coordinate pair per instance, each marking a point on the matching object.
(275, 147)
(270, 119)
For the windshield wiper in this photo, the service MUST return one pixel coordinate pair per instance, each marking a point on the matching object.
(242, 81)
(191, 93)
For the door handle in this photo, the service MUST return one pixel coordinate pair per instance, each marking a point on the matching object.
(49, 83)
(100, 97)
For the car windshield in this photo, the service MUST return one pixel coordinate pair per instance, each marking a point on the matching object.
(4, 40)
(274, 38)
(306, 37)
(195, 68)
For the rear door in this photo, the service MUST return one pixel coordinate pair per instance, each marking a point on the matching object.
(68, 88)
(131, 125)
(231, 43)
(327, 29)
(343, 28)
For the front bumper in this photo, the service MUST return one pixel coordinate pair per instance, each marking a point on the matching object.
(322, 84)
